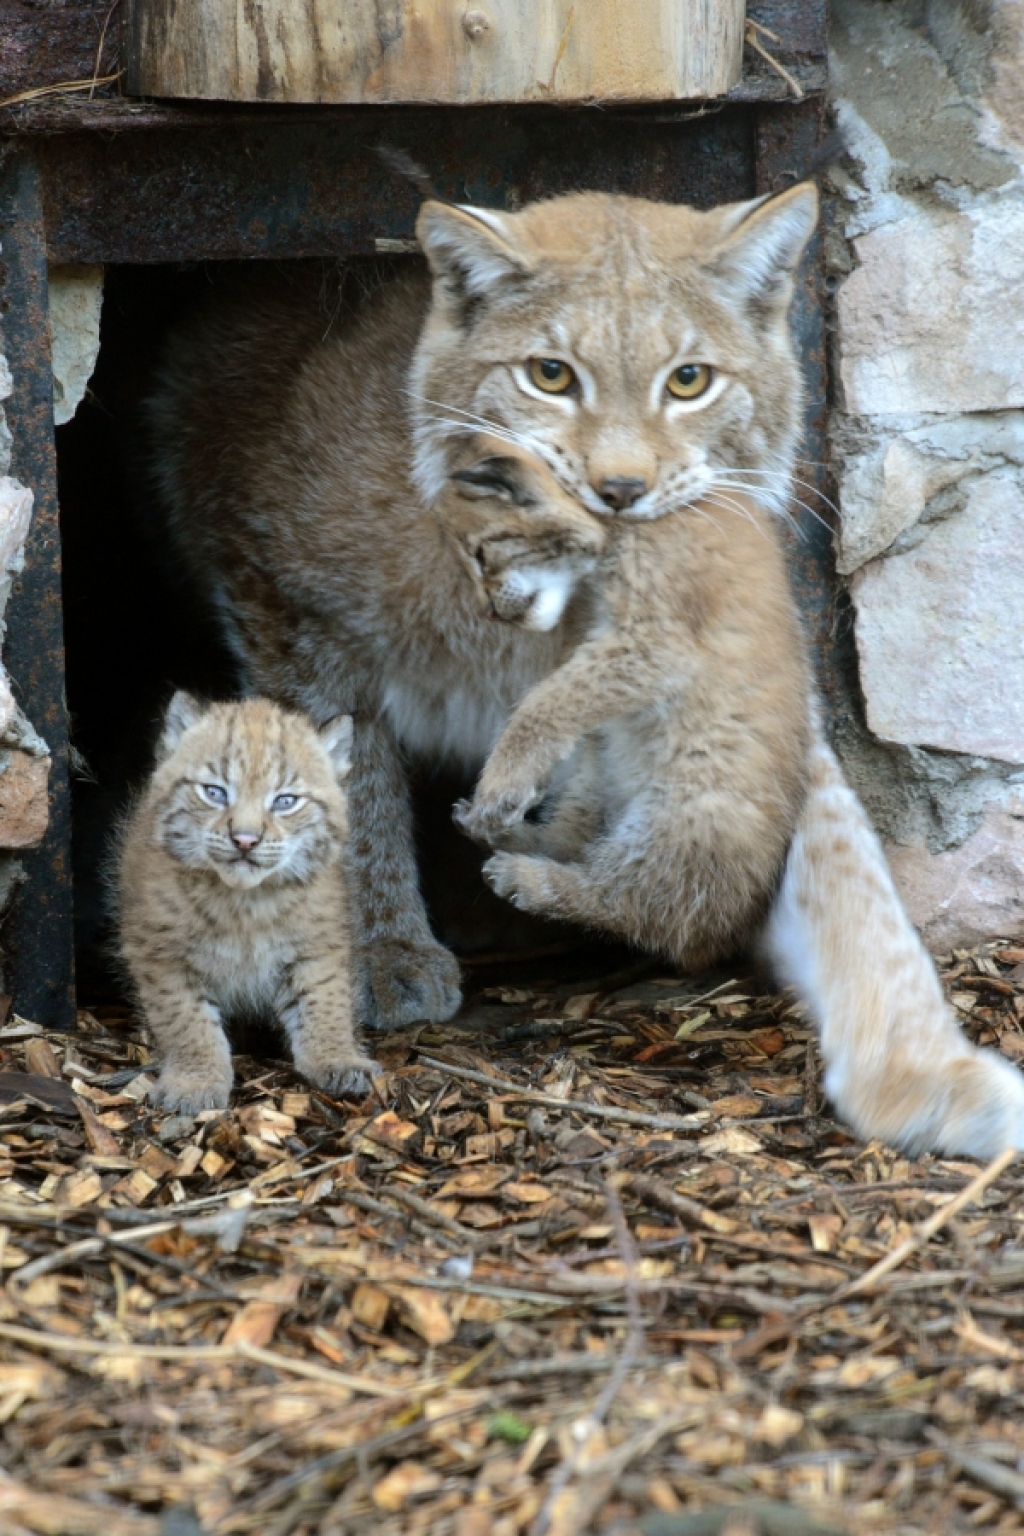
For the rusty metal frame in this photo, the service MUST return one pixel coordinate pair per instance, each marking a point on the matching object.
(37, 932)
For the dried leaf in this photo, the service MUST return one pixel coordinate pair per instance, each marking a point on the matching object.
(370, 1306)
(40, 1057)
(390, 1131)
(425, 1313)
(408, 1481)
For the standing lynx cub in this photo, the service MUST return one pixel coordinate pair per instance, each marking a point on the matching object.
(641, 352)
(231, 895)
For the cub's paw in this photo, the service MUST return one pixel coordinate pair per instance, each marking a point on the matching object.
(351, 1080)
(510, 875)
(407, 982)
(486, 817)
(189, 1093)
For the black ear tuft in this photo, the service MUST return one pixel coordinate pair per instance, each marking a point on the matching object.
(401, 164)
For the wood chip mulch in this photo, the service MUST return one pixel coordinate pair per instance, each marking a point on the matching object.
(593, 1258)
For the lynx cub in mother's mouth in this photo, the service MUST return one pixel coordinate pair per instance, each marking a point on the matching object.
(675, 737)
(232, 899)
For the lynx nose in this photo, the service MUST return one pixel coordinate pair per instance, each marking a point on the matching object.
(620, 491)
(246, 841)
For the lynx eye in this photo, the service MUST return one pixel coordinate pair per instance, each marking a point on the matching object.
(551, 375)
(690, 381)
(214, 794)
(285, 803)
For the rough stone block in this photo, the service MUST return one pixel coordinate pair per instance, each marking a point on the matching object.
(970, 894)
(24, 804)
(76, 298)
(15, 516)
(940, 630)
(889, 472)
(931, 319)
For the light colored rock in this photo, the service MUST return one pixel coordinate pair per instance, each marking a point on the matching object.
(940, 630)
(889, 472)
(76, 298)
(931, 320)
(24, 802)
(15, 517)
(887, 68)
(1003, 102)
(969, 894)
(8, 707)
(908, 479)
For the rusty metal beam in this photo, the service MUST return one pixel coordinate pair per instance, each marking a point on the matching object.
(303, 188)
(37, 932)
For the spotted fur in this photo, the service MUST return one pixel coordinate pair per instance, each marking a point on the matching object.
(231, 895)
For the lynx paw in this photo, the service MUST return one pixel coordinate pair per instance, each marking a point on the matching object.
(406, 982)
(486, 817)
(513, 877)
(353, 1080)
(189, 1093)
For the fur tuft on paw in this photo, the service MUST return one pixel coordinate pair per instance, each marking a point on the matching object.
(189, 1094)
(406, 982)
(351, 1082)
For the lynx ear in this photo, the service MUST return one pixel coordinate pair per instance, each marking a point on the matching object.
(183, 711)
(470, 250)
(336, 740)
(763, 249)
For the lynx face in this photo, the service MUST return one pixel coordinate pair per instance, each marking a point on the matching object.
(250, 792)
(525, 544)
(640, 350)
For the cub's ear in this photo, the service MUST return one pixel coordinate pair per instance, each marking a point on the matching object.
(182, 712)
(471, 251)
(336, 740)
(762, 250)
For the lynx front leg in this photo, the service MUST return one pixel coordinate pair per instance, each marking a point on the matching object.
(602, 680)
(897, 1064)
(316, 1011)
(408, 975)
(195, 1071)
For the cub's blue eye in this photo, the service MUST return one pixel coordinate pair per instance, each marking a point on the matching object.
(216, 794)
(285, 802)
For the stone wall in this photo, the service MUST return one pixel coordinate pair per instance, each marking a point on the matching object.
(75, 298)
(926, 249)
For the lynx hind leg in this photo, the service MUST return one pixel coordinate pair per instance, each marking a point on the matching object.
(549, 889)
(317, 1014)
(898, 1065)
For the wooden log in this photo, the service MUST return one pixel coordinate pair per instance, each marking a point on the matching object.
(447, 51)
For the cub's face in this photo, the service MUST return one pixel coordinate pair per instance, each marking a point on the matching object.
(524, 542)
(250, 792)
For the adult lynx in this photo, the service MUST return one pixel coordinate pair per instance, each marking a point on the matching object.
(640, 351)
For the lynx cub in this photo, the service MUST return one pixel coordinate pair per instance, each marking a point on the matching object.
(231, 895)
(681, 721)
